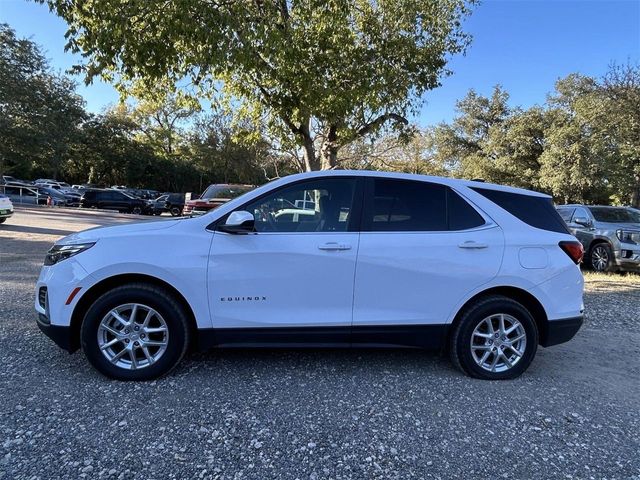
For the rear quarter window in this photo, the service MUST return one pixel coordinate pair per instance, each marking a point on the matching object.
(538, 212)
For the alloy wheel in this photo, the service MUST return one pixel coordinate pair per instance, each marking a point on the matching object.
(133, 336)
(498, 342)
(600, 258)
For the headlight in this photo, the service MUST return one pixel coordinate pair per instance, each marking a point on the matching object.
(628, 236)
(57, 253)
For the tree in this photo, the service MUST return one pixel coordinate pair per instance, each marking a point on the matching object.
(465, 144)
(321, 73)
(39, 110)
(620, 89)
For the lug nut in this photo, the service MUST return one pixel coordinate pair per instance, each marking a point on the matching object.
(142, 335)
(126, 340)
(126, 330)
(136, 343)
(136, 328)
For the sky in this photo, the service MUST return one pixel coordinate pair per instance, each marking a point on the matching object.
(523, 45)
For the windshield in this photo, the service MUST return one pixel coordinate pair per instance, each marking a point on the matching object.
(224, 191)
(615, 215)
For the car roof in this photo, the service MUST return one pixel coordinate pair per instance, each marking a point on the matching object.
(452, 182)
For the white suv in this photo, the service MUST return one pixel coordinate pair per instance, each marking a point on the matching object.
(323, 259)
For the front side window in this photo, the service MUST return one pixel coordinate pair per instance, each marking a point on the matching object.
(323, 205)
(566, 213)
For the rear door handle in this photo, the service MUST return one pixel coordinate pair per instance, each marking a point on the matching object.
(334, 246)
(473, 245)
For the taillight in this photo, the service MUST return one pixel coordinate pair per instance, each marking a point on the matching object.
(574, 249)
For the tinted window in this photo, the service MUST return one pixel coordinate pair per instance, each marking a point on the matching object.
(580, 212)
(225, 191)
(406, 206)
(315, 206)
(615, 215)
(462, 216)
(532, 210)
(566, 213)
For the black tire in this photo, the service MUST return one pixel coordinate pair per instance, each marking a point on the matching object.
(461, 337)
(2, 220)
(136, 210)
(151, 296)
(175, 211)
(601, 257)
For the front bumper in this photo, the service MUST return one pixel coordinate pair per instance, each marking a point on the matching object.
(560, 331)
(61, 335)
(5, 213)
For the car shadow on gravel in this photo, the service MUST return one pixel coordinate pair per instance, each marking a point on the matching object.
(36, 230)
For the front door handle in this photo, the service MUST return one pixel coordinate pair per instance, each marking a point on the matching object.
(472, 245)
(334, 246)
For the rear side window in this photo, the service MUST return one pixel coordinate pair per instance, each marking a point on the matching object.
(410, 206)
(404, 206)
(462, 216)
(532, 210)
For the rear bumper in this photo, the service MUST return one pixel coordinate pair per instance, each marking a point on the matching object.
(61, 335)
(560, 331)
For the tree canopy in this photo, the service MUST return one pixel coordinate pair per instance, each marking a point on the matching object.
(320, 73)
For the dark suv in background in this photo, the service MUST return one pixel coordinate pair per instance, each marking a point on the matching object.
(169, 202)
(610, 235)
(114, 200)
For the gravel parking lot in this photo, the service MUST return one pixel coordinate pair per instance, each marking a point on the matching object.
(312, 414)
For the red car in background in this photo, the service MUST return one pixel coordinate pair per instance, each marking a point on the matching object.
(214, 196)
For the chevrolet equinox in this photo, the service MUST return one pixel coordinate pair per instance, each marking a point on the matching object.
(324, 259)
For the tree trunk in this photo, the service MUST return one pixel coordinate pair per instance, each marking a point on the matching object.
(329, 149)
(635, 197)
(311, 162)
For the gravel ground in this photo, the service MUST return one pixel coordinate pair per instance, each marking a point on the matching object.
(313, 414)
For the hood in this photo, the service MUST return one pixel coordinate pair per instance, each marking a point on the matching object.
(93, 234)
(617, 226)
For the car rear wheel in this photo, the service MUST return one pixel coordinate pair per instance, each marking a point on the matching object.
(495, 339)
(601, 257)
(175, 211)
(2, 220)
(136, 210)
(135, 332)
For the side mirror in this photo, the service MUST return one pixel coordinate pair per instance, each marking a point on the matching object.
(584, 221)
(239, 222)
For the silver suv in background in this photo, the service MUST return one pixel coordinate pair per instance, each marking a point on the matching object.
(610, 235)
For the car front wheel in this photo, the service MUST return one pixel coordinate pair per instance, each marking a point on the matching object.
(135, 332)
(136, 210)
(601, 257)
(495, 339)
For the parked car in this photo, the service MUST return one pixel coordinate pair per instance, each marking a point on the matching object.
(114, 200)
(44, 180)
(487, 272)
(214, 196)
(6, 208)
(610, 235)
(24, 194)
(57, 197)
(169, 202)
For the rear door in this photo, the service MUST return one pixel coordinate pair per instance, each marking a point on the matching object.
(423, 248)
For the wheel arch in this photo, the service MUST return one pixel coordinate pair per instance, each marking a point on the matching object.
(109, 283)
(525, 298)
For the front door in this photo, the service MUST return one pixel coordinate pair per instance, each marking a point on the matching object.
(295, 274)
